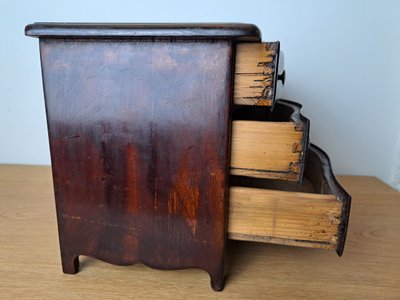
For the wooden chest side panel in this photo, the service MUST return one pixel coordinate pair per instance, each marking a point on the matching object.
(139, 135)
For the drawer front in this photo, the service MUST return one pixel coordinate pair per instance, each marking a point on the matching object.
(314, 214)
(269, 144)
(256, 73)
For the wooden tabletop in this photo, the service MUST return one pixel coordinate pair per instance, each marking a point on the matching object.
(30, 265)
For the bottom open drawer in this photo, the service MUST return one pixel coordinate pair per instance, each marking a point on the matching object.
(313, 214)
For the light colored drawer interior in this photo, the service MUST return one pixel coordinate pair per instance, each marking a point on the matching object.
(312, 214)
(269, 144)
(256, 73)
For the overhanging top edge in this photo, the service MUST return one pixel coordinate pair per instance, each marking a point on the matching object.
(236, 31)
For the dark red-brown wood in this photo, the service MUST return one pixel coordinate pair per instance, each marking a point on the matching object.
(139, 138)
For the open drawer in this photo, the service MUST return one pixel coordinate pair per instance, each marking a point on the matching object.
(258, 68)
(312, 214)
(269, 144)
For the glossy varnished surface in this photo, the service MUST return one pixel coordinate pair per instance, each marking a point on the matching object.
(139, 142)
(30, 263)
(236, 31)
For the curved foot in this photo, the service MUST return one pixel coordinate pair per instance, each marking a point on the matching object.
(70, 265)
(217, 281)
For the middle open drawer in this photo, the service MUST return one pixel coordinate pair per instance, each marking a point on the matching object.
(269, 144)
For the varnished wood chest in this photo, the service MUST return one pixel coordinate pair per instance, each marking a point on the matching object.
(167, 139)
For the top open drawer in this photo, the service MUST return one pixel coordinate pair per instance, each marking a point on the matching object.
(258, 68)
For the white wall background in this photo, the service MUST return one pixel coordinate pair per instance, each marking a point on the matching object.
(342, 62)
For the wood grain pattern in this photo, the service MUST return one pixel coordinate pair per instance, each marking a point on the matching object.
(226, 31)
(269, 144)
(256, 70)
(30, 261)
(314, 214)
(288, 218)
(128, 164)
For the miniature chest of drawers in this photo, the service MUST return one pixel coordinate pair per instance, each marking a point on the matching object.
(166, 139)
